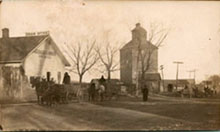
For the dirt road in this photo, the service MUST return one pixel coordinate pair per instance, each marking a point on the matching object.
(158, 113)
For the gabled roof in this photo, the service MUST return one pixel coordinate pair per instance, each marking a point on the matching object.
(15, 49)
(152, 76)
(180, 81)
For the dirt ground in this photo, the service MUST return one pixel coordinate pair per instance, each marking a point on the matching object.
(159, 113)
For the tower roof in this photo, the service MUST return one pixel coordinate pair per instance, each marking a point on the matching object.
(138, 33)
(139, 29)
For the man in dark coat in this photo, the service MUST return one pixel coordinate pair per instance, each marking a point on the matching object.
(66, 79)
(92, 92)
(102, 80)
(145, 92)
(1, 128)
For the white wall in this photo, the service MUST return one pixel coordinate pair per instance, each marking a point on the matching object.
(38, 63)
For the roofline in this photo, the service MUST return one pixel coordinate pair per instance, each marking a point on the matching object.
(7, 62)
(14, 37)
(40, 43)
(58, 49)
(178, 79)
(22, 60)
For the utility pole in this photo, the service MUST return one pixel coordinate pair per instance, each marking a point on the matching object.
(177, 70)
(161, 68)
(194, 71)
(194, 75)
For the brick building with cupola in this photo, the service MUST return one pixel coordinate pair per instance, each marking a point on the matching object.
(128, 60)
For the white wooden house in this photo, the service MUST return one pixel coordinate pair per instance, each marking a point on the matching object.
(36, 55)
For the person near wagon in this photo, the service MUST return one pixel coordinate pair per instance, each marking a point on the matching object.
(66, 83)
(1, 128)
(92, 92)
(102, 80)
(145, 92)
(102, 87)
(66, 79)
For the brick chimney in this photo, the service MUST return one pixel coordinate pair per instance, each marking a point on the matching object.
(5, 33)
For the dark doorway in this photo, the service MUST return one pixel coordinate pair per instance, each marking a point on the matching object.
(170, 87)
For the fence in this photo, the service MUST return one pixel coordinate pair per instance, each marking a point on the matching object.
(12, 83)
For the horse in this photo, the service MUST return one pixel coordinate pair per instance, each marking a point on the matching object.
(96, 91)
(101, 92)
(55, 94)
(48, 96)
(48, 92)
(40, 86)
(52, 93)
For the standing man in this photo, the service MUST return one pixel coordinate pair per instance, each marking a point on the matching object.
(102, 87)
(145, 92)
(66, 79)
(91, 91)
(1, 129)
(102, 80)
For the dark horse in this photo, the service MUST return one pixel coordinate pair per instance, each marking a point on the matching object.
(53, 94)
(40, 86)
(48, 92)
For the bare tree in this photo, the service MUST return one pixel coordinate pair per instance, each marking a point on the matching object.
(107, 53)
(156, 37)
(83, 58)
(215, 80)
(107, 58)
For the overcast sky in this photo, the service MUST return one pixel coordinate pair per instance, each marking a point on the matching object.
(194, 37)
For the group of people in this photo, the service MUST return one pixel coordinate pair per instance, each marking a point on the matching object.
(97, 89)
(195, 92)
(100, 90)
(209, 91)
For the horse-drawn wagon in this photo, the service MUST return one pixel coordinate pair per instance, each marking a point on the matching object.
(100, 91)
(51, 93)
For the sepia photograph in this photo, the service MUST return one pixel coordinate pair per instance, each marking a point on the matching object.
(109, 65)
